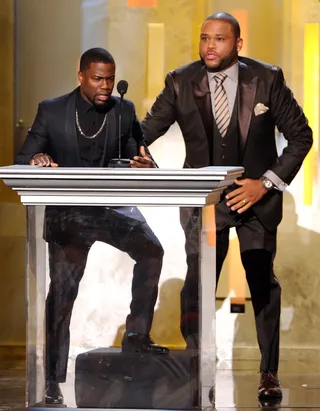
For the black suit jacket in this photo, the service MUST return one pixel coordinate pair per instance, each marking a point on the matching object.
(186, 99)
(54, 132)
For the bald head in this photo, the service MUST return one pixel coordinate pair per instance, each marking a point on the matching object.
(228, 18)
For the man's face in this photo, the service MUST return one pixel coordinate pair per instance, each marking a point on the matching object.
(218, 45)
(97, 82)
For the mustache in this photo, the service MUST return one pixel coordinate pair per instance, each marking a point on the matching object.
(212, 52)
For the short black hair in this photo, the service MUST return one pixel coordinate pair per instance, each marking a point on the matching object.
(95, 55)
(221, 15)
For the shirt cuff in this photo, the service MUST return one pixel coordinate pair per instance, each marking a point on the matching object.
(278, 183)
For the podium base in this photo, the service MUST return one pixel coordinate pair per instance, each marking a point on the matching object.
(108, 378)
(119, 163)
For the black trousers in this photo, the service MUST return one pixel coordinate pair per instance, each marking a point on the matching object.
(70, 232)
(258, 249)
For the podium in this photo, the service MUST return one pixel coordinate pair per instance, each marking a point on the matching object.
(183, 379)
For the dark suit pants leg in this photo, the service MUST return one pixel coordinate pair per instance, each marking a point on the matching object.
(190, 219)
(143, 247)
(67, 264)
(258, 248)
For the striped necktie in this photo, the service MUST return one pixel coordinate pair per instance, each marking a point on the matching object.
(221, 104)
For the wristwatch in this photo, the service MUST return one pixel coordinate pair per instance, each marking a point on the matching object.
(266, 183)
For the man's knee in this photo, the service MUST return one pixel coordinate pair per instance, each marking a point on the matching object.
(155, 250)
(156, 246)
(146, 244)
(257, 259)
(258, 265)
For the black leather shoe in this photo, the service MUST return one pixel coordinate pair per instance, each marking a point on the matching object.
(269, 387)
(53, 394)
(141, 344)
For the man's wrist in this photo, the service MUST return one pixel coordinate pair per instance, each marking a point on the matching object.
(266, 183)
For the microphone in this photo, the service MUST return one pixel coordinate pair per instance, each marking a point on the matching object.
(122, 88)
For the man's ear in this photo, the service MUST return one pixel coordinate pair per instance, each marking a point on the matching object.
(239, 44)
(80, 77)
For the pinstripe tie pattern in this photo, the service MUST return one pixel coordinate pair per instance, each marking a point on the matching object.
(221, 104)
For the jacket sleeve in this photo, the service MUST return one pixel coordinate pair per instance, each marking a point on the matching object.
(37, 139)
(162, 114)
(292, 123)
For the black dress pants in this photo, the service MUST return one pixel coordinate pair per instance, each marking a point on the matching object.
(70, 232)
(258, 249)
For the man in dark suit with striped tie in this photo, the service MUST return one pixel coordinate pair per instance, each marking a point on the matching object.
(227, 108)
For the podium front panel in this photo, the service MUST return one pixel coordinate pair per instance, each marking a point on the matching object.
(92, 275)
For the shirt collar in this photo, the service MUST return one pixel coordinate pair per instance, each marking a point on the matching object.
(232, 72)
(83, 105)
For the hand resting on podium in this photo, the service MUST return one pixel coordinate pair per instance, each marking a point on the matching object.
(42, 160)
(142, 161)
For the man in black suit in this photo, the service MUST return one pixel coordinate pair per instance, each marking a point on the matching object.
(80, 129)
(227, 108)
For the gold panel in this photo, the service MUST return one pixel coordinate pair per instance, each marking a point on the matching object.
(155, 62)
(242, 17)
(311, 102)
(198, 16)
(209, 224)
(7, 92)
(236, 273)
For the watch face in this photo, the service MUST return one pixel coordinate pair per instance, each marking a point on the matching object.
(267, 184)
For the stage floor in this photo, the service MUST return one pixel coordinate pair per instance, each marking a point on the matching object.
(236, 390)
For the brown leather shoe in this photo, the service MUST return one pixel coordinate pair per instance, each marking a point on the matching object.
(269, 386)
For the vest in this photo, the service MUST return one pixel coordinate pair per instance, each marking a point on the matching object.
(226, 150)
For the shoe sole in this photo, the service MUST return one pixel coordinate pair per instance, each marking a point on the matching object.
(269, 397)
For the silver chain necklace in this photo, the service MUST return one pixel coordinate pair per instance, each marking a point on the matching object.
(97, 133)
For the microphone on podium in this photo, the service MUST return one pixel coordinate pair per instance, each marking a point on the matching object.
(122, 88)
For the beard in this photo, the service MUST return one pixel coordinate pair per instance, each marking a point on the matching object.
(224, 63)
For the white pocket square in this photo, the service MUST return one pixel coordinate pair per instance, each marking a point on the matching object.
(260, 109)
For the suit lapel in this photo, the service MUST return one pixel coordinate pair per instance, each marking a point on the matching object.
(202, 96)
(111, 134)
(246, 96)
(70, 129)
